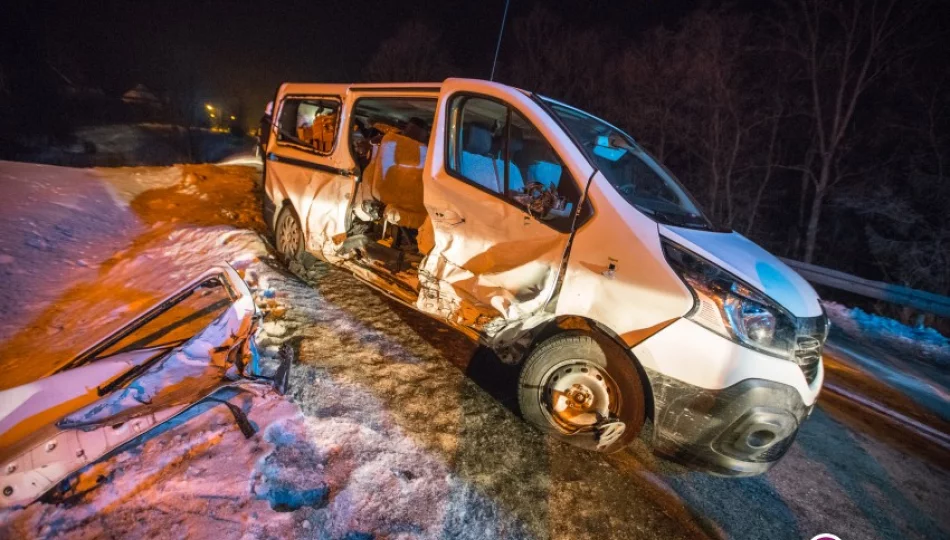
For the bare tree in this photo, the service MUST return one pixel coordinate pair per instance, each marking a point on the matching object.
(414, 53)
(843, 47)
(692, 98)
(552, 58)
(719, 105)
(650, 90)
(770, 162)
(908, 231)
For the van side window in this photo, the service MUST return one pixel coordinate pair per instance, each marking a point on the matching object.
(309, 122)
(476, 142)
(496, 147)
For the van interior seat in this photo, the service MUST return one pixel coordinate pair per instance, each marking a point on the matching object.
(476, 162)
(323, 132)
(479, 163)
(395, 179)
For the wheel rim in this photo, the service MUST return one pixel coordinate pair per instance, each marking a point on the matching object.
(288, 236)
(578, 396)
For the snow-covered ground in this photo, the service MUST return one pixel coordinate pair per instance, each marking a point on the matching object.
(395, 427)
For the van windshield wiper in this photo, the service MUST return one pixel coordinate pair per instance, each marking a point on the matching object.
(672, 218)
(680, 220)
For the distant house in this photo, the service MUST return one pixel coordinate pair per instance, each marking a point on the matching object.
(140, 95)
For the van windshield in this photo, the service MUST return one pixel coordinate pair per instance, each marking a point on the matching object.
(637, 176)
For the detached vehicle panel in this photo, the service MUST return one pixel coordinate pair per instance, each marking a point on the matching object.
(552, 237)
(116, 390)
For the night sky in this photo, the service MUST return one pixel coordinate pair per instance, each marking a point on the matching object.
(243, 50)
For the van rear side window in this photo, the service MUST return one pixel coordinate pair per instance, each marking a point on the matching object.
(312, 123)
(372, 118)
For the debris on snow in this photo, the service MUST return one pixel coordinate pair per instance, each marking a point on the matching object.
(290, 477)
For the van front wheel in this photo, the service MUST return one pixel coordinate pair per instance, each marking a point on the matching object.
(571, 389)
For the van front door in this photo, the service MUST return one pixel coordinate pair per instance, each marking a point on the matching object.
(500, 201)
(308, 164)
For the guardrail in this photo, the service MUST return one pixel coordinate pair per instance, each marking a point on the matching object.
(895, 294)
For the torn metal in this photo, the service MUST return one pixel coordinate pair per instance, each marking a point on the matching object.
(98, 402)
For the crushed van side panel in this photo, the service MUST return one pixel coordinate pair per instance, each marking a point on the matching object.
(325, 216)
(484, 269)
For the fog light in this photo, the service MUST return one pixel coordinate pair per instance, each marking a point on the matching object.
(760, 438)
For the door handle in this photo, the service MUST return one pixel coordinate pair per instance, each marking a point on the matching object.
(447, 217)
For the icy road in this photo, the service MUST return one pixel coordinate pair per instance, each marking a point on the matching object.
(395, 426)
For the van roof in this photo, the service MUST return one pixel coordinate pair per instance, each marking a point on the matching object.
(342, 88)
(291, 88)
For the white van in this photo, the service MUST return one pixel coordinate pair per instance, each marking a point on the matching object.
(550, 236)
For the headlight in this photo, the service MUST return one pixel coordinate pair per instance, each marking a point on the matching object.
(730, 308)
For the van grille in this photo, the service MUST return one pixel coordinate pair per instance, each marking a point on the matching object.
(808, 356)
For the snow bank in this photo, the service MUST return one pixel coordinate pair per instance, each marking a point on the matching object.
(921, 342)
(94, 247)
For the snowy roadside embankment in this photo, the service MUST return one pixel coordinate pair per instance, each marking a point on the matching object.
(84, 250)
(923, 343)
(899, 367)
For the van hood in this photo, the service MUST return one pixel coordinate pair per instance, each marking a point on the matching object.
(752, 264)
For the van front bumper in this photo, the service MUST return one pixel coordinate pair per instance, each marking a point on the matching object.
(741, 430)
(720, 406)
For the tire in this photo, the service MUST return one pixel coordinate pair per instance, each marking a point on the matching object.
(288, 235)
(569, 383)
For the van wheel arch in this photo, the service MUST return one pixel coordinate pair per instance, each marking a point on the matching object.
(608, 339)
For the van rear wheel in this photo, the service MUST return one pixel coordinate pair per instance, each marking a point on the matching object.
(571, 389)
(288, 235)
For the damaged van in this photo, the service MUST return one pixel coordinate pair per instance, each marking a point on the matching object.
(552, 237)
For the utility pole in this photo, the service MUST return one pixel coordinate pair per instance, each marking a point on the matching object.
(501, 32)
